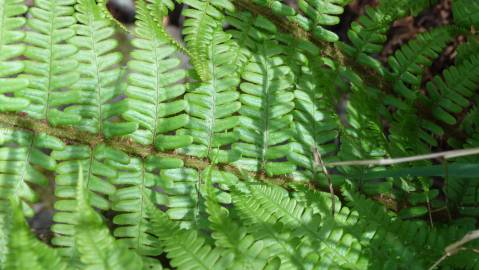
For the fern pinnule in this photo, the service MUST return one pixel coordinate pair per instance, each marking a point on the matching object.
(212, 106)
(11, 20)
(22, 163)
(267, 103)
(99, 72)
(153, 87)
(51, 67)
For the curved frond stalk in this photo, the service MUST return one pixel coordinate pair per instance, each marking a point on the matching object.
(158, 10)
(249, 252)
(22, 162)
(11, 20)
(102, 4)
(212, 105)
(136, 182)
(50, 66)
(25, 251)
(186, 248)
(97, 178)
(203, 17)
(100, 74)
(267, 103)
(316, 236)
(153, 87)
(97, 249)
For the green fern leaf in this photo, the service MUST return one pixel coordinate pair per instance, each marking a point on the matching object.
(96, 247)
(99, 73)
(50, 66)
(21, 164)
(25, 251)
(155, 74)
(186, 249)
(11, 21)
(212, 105)
(267, 102)
(135, 181)
(98, 175)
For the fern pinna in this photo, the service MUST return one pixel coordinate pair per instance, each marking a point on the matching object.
(263, 138)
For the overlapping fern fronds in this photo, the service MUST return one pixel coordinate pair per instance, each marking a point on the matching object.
(220, 164)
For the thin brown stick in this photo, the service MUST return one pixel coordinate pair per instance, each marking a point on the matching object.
(456, 247)
(319, 161)
(391, 161)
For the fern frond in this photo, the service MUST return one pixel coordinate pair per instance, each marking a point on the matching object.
(51, 66)
(408, 62)
(314, 234)
(153, 87)
(319, 14)
(212, 105)
(267, 103)
(11, 20)
(135, 181)
(465, 12)
(99, 73)
(451, 92)
(97, 249)
(186, 249)
(22, 162)
(249, 252)
(368, 33)
(25, 251)
(315, 124)
(203, 17)
(98, 175)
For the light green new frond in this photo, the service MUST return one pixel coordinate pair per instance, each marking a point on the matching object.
(100, 73)
(50, 65)
(267, 103)
(97, 249)
(451, 92)
(186, 248)
(212, 106)
(203, 17)
(158, 10)
(11, 20)
(136, 182)
(22, 162)
(25, 251)
(249, 252)
(153, 87)
(97, 176)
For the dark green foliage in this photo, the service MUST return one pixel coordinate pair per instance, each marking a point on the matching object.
(224, 164)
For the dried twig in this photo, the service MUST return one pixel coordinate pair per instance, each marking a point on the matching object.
(391, 161)
(319, 161)
(455, 247)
